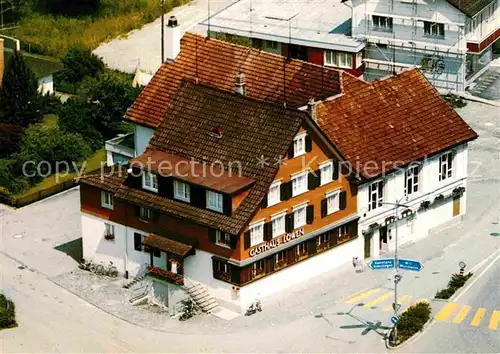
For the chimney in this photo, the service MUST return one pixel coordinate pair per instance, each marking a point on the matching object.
(172, 39)
(311, 109)
(240, 84)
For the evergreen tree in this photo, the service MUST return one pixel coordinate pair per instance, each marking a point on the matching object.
(19, 96)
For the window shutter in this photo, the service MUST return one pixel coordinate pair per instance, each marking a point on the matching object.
(226, 205)
(155, 215)
(247, 239)
(335, 169)
(353, 229)
(213, 266)
(311, 181)
(157, 253)
(233, 241)
(289, 190)
(137, 210)
(212, 235)
(268, 231)
(289, 222)
(311, 246)
(342, 200)
(283, 191)
(290, 151)
(135, 178)
(308, 143)
(291, 255)
(166, 187)
(137, 241)
(235, 274)
(310, 214)
(318, 177)
(324, 208)
(263, 205)
(198, 196)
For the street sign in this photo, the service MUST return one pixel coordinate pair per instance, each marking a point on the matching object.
(410, 264)
(397, 278)
(394, 320)
(461, 264)
(381, 263)
(396, 307)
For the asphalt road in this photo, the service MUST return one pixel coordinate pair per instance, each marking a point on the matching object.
(467, 330)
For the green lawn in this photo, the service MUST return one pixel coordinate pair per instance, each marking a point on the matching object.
(54, 35)
(93, 163)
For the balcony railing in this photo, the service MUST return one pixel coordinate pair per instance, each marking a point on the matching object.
(166, 275)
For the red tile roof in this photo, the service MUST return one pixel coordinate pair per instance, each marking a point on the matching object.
(216, 63)
(389, 123)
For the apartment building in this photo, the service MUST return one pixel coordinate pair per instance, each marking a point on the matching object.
(449, 40)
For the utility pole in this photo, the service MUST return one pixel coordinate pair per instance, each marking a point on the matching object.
(162, 31)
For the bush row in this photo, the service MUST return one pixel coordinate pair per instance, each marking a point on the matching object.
(455, 283)
(7, 313)
(412, 321)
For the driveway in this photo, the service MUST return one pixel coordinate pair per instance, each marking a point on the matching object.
(143, 46)
(311, 317)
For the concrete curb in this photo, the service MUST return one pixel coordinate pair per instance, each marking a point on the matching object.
(412, 339)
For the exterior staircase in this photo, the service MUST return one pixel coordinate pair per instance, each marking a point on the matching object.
(199, 294)
(134, 281)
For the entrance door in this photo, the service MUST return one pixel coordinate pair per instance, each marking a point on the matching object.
(456, 205)
(368, 245)
(383, 238)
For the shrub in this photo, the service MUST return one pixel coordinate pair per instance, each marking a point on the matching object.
(10, 138)
(412, 320)
(7, 313)
(455, 283)
(79, 62)
(50, 104)
(454, 100)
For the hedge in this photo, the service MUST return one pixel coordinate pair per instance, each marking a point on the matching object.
(455, 283)
(7, 313)
(412, 321)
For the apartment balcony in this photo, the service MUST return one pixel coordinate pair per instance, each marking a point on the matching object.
(120, 149)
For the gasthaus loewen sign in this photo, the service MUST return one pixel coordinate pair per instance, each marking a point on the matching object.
(276, 242)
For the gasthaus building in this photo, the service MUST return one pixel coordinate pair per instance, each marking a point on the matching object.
(235, 197)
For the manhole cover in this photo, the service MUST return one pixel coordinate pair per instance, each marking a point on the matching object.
(18, 236)
(495, 234)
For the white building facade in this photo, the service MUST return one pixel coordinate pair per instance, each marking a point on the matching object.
(432, 35)
(431, 192)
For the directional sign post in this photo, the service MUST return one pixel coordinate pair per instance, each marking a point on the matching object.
(386, 263)
(410, 264)
(394, 320)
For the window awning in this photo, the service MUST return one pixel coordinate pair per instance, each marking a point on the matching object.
(167, 245)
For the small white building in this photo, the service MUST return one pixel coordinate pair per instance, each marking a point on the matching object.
(449, 40)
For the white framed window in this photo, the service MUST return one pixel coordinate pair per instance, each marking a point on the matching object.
(182, 191)
(150, 181)
(338, 59)
(412, 179)
(446, 166)
(214, 201)
(375, 195)
(332, 202)
(145, 214)
(299, 144)
(106, 200)
(301, 249)
(359, 59)
(274, 194)
(280, 258)
(256, 233)
(299, 183)
(433, 29)
(109, 231)
(278, 222)
(326, 172)
(299, 215)
(222, 238)
(382, 23)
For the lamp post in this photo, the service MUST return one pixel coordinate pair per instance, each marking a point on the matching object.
(162, 31)
(397, 276)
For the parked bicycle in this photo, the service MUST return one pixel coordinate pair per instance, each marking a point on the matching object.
(110, 270)
(253, 308)
(189, 310)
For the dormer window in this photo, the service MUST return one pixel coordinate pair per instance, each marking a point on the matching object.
(299, 144)
(182, 191)
(214, 201)
(106, 200)
(150, 181)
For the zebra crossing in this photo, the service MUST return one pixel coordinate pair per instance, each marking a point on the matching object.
(451, 312)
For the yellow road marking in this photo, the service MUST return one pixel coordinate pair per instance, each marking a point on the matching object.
(446, 311)
(379, 300)
(495, 317)
(478, 317)
(462, 314)
(362, 296)
(400, 301)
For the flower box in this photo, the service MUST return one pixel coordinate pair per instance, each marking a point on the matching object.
(165, 274)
